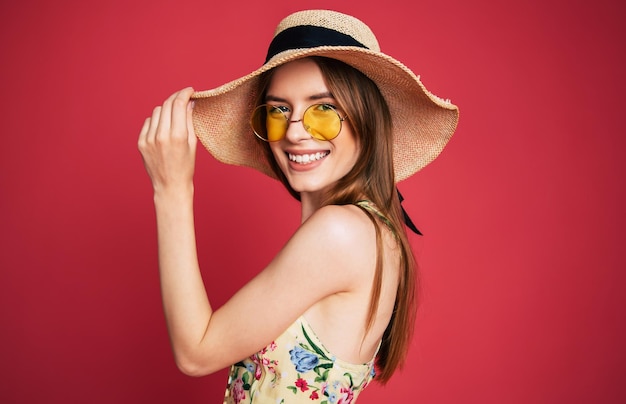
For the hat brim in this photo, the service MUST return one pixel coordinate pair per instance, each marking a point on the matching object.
(422, 122)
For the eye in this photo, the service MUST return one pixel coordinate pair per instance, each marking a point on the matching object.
(325, 107)
(277, 109)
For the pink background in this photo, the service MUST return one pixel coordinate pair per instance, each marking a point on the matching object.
(522, 260)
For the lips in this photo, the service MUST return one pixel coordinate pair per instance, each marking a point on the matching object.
(307, 158)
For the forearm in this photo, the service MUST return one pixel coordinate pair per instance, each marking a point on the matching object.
(186, 305)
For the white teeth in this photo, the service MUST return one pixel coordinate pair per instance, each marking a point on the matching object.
(307, 158)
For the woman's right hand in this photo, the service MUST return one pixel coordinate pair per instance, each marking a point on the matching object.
(167, 143)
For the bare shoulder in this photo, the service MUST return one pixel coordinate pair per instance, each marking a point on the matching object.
(342, 226)
(337, 242)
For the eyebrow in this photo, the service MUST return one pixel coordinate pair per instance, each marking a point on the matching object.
(313, 97)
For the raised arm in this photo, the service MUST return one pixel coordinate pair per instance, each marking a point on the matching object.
(168, 145)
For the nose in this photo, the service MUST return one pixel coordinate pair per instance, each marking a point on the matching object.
(296, 131)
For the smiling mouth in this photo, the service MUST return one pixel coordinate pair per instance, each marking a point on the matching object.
(307, 158)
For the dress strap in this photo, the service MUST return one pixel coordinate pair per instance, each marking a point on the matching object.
(370, 207)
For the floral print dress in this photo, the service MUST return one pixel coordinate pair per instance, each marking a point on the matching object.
(296, 368)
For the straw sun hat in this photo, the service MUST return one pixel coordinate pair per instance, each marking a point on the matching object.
(422, 122)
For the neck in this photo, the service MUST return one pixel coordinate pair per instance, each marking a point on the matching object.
(310, 202)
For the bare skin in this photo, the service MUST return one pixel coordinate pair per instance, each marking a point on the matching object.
(323, 272)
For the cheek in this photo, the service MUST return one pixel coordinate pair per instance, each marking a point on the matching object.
(352, 149)
(276, 151)
(355, 157)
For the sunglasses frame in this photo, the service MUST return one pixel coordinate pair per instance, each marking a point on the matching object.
(289, 121)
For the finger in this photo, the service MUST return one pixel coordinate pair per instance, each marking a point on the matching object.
(143, 133)
(164, 123)
(180, 110)
(154, 124)
(193, 140)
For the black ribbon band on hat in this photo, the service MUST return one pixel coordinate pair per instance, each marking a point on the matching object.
(308, 36)
(407, 219)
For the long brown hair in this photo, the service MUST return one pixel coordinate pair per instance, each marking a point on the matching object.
(372, 178)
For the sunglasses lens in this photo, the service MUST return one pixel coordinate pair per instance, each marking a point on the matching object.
(269, 123)
(322, 121)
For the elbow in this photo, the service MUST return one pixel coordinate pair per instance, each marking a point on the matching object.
(193, 367)
(190, 369)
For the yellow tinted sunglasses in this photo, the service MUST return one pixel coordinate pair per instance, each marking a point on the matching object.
(321, 121)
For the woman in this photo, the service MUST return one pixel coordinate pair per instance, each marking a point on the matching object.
(339, 123)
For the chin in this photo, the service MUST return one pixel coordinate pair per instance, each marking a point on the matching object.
(307, 188)
(308, 185)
